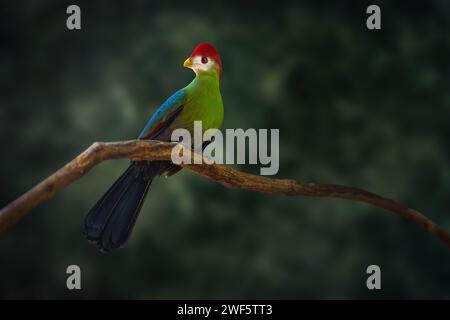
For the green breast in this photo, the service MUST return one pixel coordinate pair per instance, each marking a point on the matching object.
(203, 102)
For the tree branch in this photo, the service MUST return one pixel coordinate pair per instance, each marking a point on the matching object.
(228, 177)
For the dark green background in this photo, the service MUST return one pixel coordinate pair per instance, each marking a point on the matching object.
(354, 107)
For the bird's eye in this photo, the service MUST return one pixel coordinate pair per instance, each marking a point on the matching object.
(204, 60)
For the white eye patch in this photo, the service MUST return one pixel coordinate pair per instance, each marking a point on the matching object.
(198, 62)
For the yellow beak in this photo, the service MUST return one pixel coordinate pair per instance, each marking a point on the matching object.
(187, 63)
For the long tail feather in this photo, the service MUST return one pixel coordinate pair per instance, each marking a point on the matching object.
(110, 221)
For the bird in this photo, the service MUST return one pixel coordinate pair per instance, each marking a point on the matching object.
(109, 223)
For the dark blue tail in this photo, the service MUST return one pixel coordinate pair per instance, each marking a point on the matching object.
(110, 222)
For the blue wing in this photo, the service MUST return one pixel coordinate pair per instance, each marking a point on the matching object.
(164, 116)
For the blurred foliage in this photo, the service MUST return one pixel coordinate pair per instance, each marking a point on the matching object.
(357, 107)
